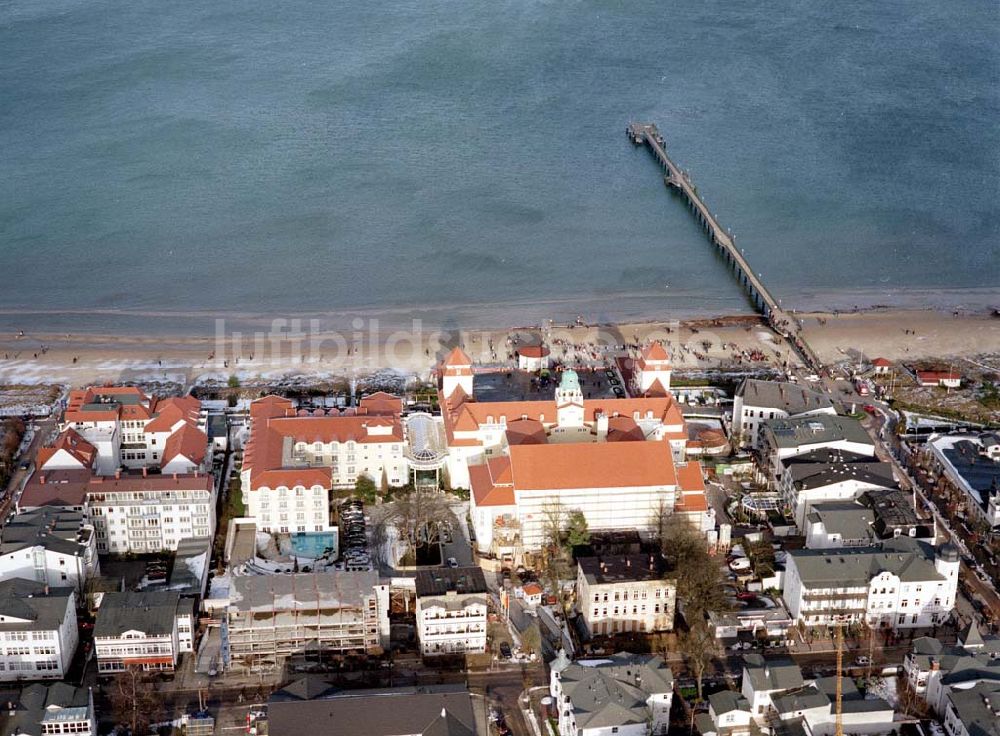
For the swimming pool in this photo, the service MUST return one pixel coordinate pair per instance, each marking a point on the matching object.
(312, 545)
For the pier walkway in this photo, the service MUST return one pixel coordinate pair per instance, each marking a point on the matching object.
(762, 299)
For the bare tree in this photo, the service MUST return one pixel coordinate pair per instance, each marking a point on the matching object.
(417, 517)
(699, 648)
(133, 700)
(698, 574)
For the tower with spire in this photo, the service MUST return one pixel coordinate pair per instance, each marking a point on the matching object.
(652, 370)
(569, 401)
(456, 372)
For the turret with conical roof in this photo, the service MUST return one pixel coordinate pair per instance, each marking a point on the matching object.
(456, 372)
(652, 370)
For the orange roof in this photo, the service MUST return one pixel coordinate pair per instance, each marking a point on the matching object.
(533, 351)
(532, 589)
(104, 404)
(270, 406)
(624, 429)
(70, 441)
(882, 362)
(592, 465)
(457, 358)
(491, 483)
(526, 431)
(381, 403)
(656, 389)
(189, 442)
(72, 487)
(655, 352)
(264, 455)
(168, 412)
(690, 477)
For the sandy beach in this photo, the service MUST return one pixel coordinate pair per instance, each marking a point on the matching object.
(739, 342)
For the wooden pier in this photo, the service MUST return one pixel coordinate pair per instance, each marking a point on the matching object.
(762, 299)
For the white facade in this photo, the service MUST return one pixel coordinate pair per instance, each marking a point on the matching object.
(284, 509)
(144, 630)
(615, 595)
(60, 557)
(30, 651)
(984, 451)
(801, 500)
(151, 520)
(452, 623)
(774, 400)
(909, 591)
(624, 695)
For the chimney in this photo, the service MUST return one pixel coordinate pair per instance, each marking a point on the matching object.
(143, 471)
(118, 473)
(41, 479)
(46, 589)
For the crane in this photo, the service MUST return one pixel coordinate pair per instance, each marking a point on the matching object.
(840, 687)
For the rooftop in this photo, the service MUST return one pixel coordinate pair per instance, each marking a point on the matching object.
(443, 580)
(905, 558)
(26, 605)
(621, 568)
(151, 612)
(788, 397)
(268, 593)
(795, 432)
(56, 529)
(41, 705)
(613, 691)
(850, 520)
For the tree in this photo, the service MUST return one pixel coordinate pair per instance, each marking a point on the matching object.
(365, 489)
(234, 381)
(133, 700)
(531, 638)
(577, 533)
(698, 647)
(417, 516)
(697, 573)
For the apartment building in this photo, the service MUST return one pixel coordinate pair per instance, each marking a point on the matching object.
(49, 710)
(148, 630)
(51, 545)
(625, 593)
(38, 630)
(130, 512)
(933, 670)
(624, 694)
(902, 584)
(273, 617)
(294, 458)
(451, 610)
(756, 401)
(826, 476)
(971, 464)
(129, 429)
(780, 439)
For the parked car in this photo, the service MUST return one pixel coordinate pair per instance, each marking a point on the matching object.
(452, 562)
(505, 651)
(862, 661)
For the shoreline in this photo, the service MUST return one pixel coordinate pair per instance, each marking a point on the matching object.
(723, 342)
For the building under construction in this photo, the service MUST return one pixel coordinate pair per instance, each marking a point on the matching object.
(273, 617)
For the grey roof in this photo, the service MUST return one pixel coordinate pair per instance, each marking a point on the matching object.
(268, 593)
(893, 509)
(850, 520)
(804, 698)
(768, 675)
(384, 713)
(613, 692)
(621, 568)
(191, 562)
(819, 475)
(978, 708)
(152, 612)
(40, 704)
(41, 607)
(309, 687)
(906, 558)
(789, 397)
(829, 455)
(979, 471)
(810, 430)
(725, 701)
(54, 528)
(444, 580)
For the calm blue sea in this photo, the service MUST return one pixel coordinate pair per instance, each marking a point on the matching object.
(162, 163)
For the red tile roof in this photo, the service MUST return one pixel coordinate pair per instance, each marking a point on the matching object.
(491, 483)
(655, 352)
(533, 351)
(457, 358)
(189, 442)
(592, 465)
(72, 487)
(74, 444)
(882, 362)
